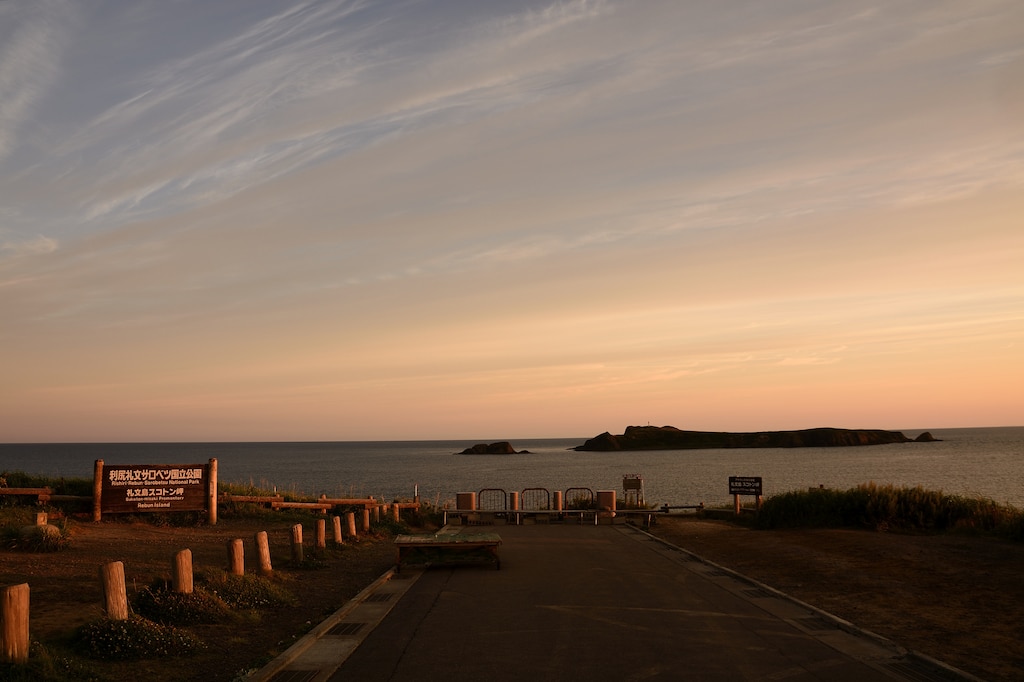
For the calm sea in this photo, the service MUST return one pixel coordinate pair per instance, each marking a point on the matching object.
(985, 462)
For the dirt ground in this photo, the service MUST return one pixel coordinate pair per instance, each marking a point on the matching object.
(66, 591)
(957, 599)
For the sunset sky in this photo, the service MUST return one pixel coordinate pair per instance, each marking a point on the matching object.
(263, 220)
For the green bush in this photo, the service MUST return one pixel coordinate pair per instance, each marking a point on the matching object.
(33, 538)
(135, 638)
(59, 485)
(387, 526)
(428, 515)
(888, 507)
(581, 502)
(162, 605)
(46, 666)
(248, 591)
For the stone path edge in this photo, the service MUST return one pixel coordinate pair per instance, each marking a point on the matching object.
(295, 651)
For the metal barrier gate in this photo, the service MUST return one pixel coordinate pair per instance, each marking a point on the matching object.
(492, 499)
(535, 499)
(579, 498)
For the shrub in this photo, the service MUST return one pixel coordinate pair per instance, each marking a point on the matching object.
(814, 508)
(248, 591)
(581, 501)
(389, 527)
(46, 666)
(32, 538)
(162, 605)
(888, 507)
(428, 515)
(59, 485)
(135, 638)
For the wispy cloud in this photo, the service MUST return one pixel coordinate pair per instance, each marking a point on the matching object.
(240, 120)
(206, 113)
(24, 247)
(525, 27)
(30, 58)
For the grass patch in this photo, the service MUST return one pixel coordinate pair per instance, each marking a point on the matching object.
(18, 531)
(59, 485)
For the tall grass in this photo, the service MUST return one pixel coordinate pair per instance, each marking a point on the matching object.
(59, 485)
(885, 507)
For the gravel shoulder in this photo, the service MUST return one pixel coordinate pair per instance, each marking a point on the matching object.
(955, 598)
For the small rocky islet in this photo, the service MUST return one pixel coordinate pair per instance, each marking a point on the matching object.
(499, 448)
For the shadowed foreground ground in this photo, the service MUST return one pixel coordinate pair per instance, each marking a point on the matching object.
(954, 598)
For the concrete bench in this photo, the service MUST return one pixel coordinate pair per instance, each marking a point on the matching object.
(446, 548)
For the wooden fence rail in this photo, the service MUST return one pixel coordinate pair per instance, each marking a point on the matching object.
(42, 495)
(323, 503)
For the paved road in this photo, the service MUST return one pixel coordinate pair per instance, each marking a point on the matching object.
(593, 603)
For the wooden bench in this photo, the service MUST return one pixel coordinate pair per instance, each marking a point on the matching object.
(445, 548)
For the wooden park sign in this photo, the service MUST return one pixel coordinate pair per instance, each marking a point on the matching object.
(142, 488)
(745, 485)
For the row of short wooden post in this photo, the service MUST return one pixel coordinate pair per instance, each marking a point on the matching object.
(321, 532)
(14, 599)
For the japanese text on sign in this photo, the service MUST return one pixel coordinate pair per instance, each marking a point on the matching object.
(745, 485)
(138, 475)
(157, 487)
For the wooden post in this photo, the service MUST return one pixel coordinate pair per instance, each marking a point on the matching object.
(41, 518)
(760, 502)
(366, 520)
(376, 514)
(211, 493)
(115, 596)
(236, 557)
(350, 521)
(736, 503)
(297, 543)
(14, 623)
(396, 512)
(263, 552)
(336, 520)
(97, 490)
(321, 534)
(181, 572)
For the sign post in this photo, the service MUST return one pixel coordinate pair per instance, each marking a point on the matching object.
(745, 485)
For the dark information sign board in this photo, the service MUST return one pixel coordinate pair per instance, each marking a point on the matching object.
(153, 487)
(745, 485)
